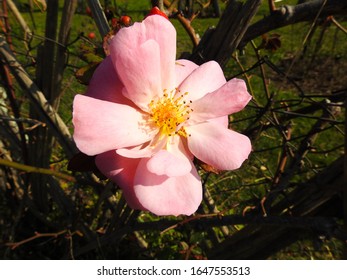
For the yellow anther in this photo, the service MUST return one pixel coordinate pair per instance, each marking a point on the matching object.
(169, 113)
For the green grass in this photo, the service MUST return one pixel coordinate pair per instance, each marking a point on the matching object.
(238, 190)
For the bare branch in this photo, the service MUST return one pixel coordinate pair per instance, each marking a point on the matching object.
(34, 169)
(185, 23)
(99, 17)
(20, 19)
(45, 110)
(260, 241)
(334, 21)
(61, 56)
(14, 245)
(287, 15)
(222, 41)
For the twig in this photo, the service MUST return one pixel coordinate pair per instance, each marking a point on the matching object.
(266, 88)
(310, 31)
(185, 23)
(294, 114)
(187, 220)
(287, 15)
(14, 245)
(284, 156)
(334, 21)
(6, 28)
(213, 209)
(13, 102)
(171, 6)
(246, 76)
(309, 203)
(34, 169)
(212, 220)
(61, 53)
(27, 31)
(44, 109)
(262, 71)
(23, 120)
(295, 164)
(272, 6)
(228, 33)
(36, 235)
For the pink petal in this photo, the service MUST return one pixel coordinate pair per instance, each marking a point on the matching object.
(164, 195)
(171, 162)
(164, 33)
(207, 78)
(100, 126)
(224, 121)
(139, 70)
(121, 171)
(145, 150)
(217, 146)
(136, 152)
(105, 84)
(183, 69)
(230, 98)
(178, 145)
(144, 56)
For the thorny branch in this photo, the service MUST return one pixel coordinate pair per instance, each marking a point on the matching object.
(14, 245)
(100, 216)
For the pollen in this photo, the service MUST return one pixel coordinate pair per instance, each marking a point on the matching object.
(169, 112)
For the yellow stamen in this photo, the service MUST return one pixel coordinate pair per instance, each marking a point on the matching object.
(169, 113)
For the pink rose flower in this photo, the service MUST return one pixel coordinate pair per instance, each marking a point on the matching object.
(146, 116)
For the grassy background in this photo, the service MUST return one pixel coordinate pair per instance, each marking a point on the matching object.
(319, 68)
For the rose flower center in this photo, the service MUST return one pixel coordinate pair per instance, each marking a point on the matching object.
(169, 113)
